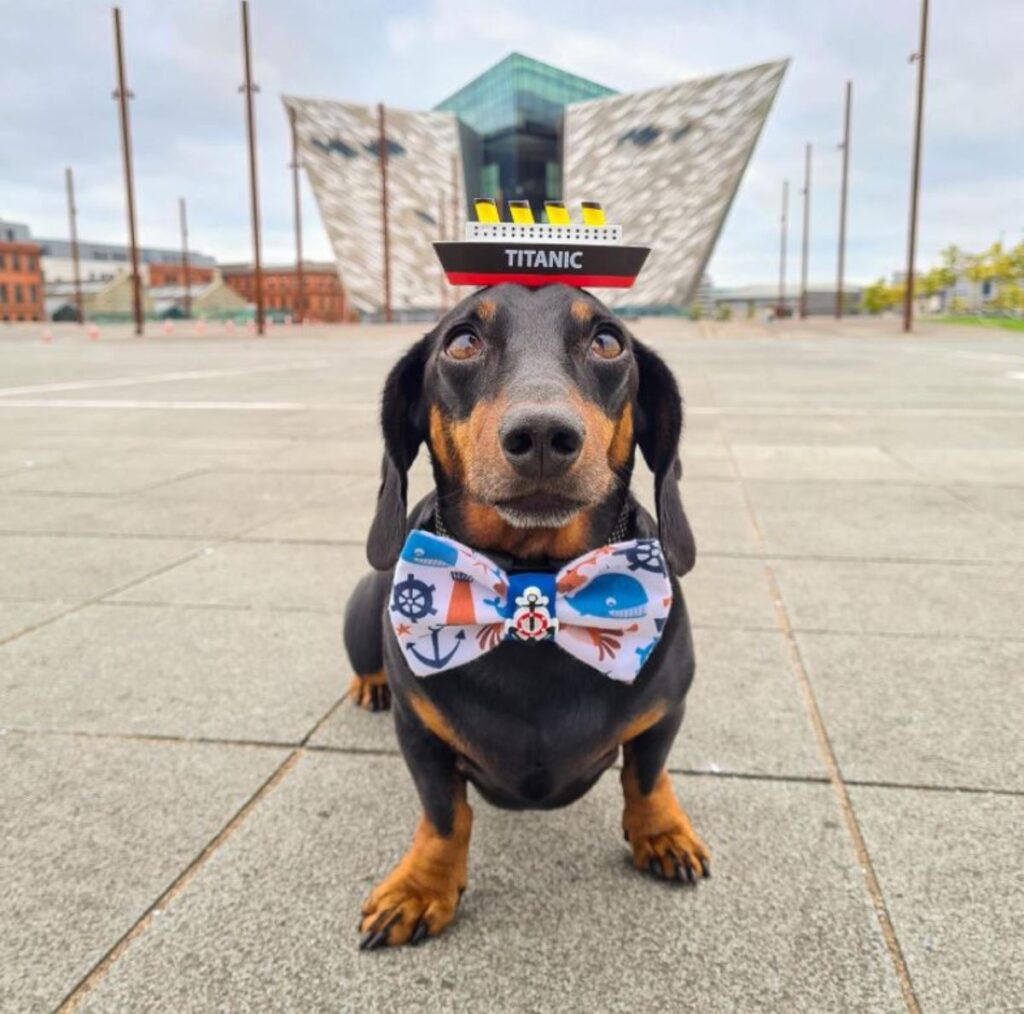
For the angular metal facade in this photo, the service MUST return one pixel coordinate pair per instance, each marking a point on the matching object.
(666, 165)
(338, 145)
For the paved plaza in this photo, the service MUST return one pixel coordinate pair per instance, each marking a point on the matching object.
(190, 814)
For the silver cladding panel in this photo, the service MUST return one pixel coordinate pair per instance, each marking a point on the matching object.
(337, 145)
(672, 190)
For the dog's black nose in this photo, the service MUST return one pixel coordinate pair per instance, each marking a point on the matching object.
(541, 442)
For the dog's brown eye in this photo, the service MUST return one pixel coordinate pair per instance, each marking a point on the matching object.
(606, 345)
(464, 345)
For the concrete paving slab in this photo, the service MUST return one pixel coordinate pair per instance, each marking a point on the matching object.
(895, 521)
(554, 918)
(958, 600)
(173, 517)
(15, 616)
(719, 517)
(823, 463)
(706, 459)
(44, 566)
(93, 832)
(1004, 503)
(731, 592)
(251, 487)
(921, 711)
(955, 464)
(949, 866)
(26, 512)
(254, 575)
(217, 673)
(744, 712)
(94, 478)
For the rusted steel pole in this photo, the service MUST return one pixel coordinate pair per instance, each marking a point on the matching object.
(382, 156)
(915, 172)
(123, 95)
(254, 197)
(300, 276)
(805, 245)
(843, 187)
(185, 269)
(69, 182)
(782, 248)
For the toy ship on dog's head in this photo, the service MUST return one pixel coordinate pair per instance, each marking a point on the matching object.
(590, 253)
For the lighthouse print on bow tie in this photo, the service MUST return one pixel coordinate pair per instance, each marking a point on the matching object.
(450, 605)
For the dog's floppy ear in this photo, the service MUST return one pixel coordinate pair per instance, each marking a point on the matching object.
(403, 421)
(660, 427)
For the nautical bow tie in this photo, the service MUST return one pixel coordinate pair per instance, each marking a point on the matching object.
(450, 605)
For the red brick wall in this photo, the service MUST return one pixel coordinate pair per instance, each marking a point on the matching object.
(324, 293)
(21, 282)
(172, 274)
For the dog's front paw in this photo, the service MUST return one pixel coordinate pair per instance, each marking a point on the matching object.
(674, 854)
(371, 692)
(659, 832)
(404, 910)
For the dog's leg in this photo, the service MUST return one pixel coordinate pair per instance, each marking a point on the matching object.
(371, 692)
(363, 633)
(656, 826)
(418, 897)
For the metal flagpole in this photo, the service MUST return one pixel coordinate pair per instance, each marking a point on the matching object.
(300, 277)
(69, 181)
(843, 189)
(122, 94)
(782, 248)
(185, 269)
(804, 253)
(250, 129)
(915, 172)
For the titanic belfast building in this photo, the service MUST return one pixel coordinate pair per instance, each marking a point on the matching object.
(665, 163)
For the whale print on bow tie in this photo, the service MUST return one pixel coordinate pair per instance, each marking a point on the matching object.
(450, 605)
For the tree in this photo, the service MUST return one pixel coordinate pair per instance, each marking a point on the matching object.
(880, 296)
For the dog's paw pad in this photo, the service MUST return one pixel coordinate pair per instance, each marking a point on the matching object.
(404, 913)
(370, 692)
(676, 855)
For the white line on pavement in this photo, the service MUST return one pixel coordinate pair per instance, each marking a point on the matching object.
(159, 378)
(191, 406)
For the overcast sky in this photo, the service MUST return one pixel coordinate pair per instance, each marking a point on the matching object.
(184, 66)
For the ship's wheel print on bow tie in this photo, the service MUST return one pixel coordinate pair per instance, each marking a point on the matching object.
(413, 598)
(644, 554)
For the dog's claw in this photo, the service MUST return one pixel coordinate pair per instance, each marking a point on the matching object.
(654, 867)
(419, 934)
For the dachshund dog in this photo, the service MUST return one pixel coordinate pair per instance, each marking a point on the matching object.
(531, 403)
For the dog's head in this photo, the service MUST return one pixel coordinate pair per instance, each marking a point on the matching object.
(532, 402)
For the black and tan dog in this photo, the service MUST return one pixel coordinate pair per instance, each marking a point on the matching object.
(531, 402)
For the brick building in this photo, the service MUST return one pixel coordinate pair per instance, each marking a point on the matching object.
(324, 297)
(161, 275)
(22, 294)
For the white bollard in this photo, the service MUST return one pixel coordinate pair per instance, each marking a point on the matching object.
(47, 335)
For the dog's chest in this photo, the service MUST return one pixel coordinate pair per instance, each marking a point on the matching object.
(531, 720)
